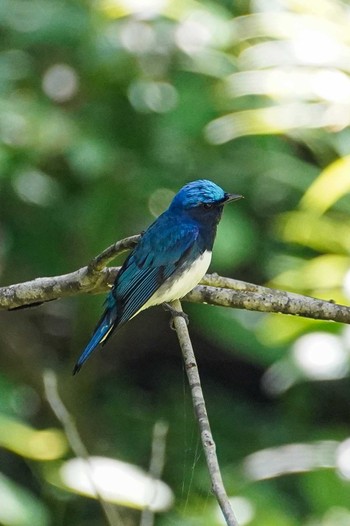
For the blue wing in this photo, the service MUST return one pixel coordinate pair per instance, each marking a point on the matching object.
(162, 248)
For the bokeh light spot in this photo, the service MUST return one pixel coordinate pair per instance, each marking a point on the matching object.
(243, 509)
(13, 128)
(316, 47)
(147, 96)
(46, 445)
(192, 36)
(116, 481)
(343, 458)
(36, 187)
(60, 82)
(160, 200)
(137, 37)
(290, 458)
(321, 356)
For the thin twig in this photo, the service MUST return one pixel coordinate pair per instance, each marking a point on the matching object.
(100, 261)
(202, 416)
(156, 466)
(75, 442)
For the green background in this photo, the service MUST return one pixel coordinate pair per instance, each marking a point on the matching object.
(106, 109)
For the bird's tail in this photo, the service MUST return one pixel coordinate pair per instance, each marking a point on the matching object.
(102, 332)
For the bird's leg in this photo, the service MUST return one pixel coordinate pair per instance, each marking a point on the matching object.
(174, 312)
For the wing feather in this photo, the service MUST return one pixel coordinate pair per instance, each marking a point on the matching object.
(152, 262)
(163, 247)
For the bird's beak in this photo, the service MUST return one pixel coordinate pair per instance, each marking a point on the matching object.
(232, 197)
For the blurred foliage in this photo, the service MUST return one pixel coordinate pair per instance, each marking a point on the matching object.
(106, 109)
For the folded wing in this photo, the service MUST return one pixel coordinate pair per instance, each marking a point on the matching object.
(161, 250)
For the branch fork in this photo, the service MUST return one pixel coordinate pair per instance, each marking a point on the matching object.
(214, 289)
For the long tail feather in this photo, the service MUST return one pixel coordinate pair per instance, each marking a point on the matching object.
(102, 331)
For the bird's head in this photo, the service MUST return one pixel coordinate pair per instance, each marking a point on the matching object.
(202, 199)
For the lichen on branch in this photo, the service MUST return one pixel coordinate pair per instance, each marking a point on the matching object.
(217, 290)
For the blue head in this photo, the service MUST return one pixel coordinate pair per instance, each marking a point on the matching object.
(203, 200)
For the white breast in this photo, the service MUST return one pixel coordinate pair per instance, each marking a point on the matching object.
(174, 289)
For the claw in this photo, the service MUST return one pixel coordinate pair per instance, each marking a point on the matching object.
(175, 313)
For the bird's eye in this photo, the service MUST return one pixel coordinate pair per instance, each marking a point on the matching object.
(207, 206)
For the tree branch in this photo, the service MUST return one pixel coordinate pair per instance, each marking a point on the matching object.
(92, 278)
(100, 261)
(95, 278)
(215, 290)
(265, 299)
(202, 416)
(156, 466)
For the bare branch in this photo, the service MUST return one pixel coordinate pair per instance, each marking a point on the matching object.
(75, 442)
(156, 466)
(269, 300)
(100, 261)
(86, 279)
(214, 290)
(202, 416)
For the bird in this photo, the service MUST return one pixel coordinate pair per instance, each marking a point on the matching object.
(170, 259)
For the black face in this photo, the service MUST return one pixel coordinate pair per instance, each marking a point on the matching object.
(207, 213)
(207, 216)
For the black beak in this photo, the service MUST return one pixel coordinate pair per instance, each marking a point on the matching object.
(232, 197)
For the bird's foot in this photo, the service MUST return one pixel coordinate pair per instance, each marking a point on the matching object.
(174, 313)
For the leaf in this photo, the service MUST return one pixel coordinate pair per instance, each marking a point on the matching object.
(323, 273)
(19, 507)
(332, 184)
(318, 232)
(115, 481)
(16, 436)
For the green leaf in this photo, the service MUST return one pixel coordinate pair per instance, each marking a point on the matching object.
(19, 507)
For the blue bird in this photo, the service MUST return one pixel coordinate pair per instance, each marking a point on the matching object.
(170, 259)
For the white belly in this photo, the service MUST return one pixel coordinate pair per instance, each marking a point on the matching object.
(174, 289)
